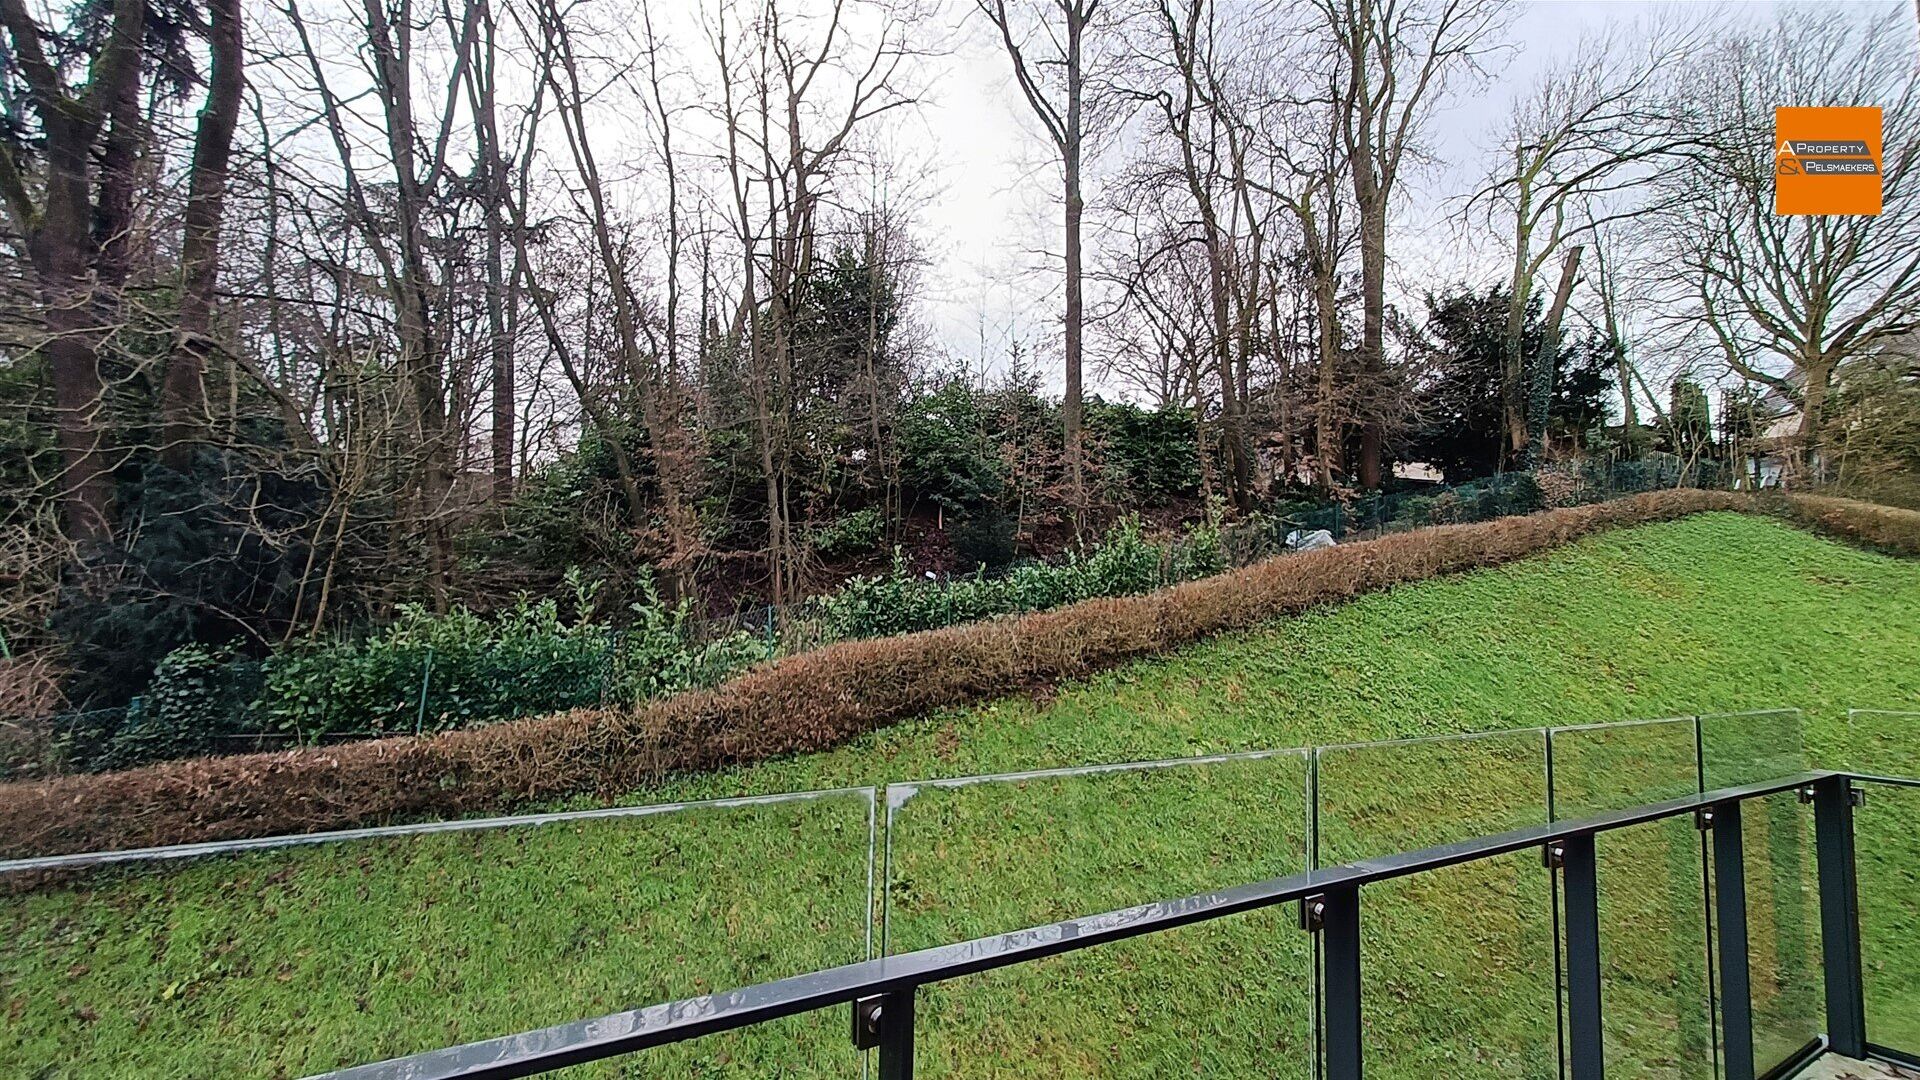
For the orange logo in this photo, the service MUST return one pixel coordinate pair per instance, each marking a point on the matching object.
(1826, 161)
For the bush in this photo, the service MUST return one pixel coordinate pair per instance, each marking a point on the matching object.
(197, 696)
(1889, 528)
(1148, 456)
(1201, 553)
(855, 534)
(983, 537)
(1415, 511)
(653, 656)
(800, 704)
(428, 672)
(1124, 562)
(1522, 494)
(946, 455)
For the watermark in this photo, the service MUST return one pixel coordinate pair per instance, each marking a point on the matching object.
(1826, 161)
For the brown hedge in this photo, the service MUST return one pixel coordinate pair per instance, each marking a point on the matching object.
(1888, 528)
(808, 702)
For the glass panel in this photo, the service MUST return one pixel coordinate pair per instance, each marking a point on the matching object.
(1458, 964)
(1653, 915)
(1783, 927)
(296, 959)
(1783, 909)
(1887, 852)
(974, 857)
(1782, 880)
(1752, 747)
(1880, 742)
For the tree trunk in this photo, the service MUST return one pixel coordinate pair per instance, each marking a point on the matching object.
(1540, 385)
(1326, 425)
(499, 342)
(1513, 364)
(1813, 403)
(183, 394)
(1070, 405)
(1373, 298)
(420, 355)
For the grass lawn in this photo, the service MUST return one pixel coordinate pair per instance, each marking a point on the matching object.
(289, 962)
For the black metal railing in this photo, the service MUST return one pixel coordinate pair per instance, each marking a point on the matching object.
(1653, 897)
(881, 993)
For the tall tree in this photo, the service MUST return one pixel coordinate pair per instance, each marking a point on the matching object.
(1784, 300)
(1210, 141)
(183, 395)
(1050, 65)
(1583, 145)
(66, 193)
(391, 220)
(1395, 57)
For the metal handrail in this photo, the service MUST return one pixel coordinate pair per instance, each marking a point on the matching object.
(881, 990)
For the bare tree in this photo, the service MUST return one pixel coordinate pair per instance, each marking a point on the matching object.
(1395, 58)
(1584, 146)
(396, 235)
(1051, 66)
(1199, 116)
(1785, 300)
(796, 92)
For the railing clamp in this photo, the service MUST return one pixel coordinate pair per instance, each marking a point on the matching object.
(867, 1018)
(1703, 819)
(1553, 856)
(1856, 796)
(1313, 913)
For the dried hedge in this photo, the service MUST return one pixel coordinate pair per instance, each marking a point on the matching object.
(1888, 528)
(807, 702)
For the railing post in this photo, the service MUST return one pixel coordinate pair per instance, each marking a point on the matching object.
(1730, 918)
(885, 1023)
(1340, 978)
(1840, 916)
(1580, 879)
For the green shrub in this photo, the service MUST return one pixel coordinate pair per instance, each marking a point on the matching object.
(1125, 562)
(428, 672)
(1522, 494)
(983, 537)
(855, 534)
(946, 454)
(1147, 456)
(188, 706)
(1201, 553)
(1415, 511)
(654, 657)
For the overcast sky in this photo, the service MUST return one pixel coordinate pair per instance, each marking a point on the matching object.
(989, 206)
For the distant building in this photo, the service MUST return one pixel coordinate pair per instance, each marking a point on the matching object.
(1771, 459)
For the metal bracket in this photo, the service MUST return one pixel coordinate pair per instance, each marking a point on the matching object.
(866, 1022)
(1703, 819)
(1856, 796)
(1313, 913)
(1553, 856)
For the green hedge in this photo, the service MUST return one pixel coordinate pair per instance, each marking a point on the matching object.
(1123, 563)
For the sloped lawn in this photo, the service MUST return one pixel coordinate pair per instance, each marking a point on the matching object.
(288, 962)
